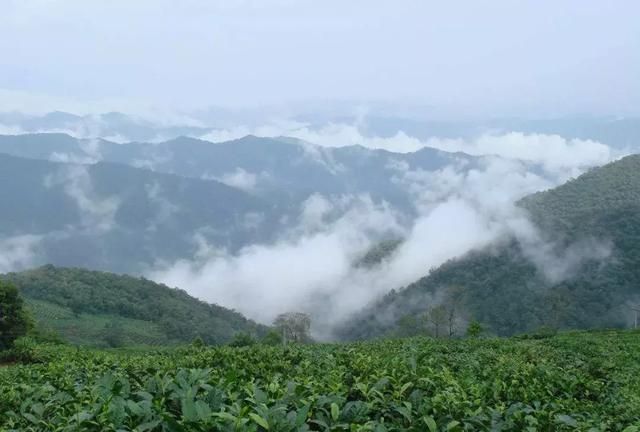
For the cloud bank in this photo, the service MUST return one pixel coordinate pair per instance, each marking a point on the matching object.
(311, 266)
(553, 152)
(459, 209)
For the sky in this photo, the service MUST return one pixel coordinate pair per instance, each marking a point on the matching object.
(490, 58)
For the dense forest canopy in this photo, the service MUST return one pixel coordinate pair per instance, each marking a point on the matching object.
(14, 319)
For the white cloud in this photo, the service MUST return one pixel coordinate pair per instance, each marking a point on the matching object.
(315, 210)
(263, 280)
(98, 213)
(311, 267)
(165, 209)
(330, 135)
(10, 130)
(18, 252)
(553, 152)
(460, 208)
(239, 178)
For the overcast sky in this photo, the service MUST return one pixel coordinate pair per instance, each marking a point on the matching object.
(534, 57)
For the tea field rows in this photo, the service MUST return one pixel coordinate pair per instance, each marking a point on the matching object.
(573, 381)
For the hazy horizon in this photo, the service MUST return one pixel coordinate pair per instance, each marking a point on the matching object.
(460, 59)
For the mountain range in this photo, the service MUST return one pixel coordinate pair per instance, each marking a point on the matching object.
(140, 203)
(127, 208)
(618, 132)
(282, 169)
(114, 217)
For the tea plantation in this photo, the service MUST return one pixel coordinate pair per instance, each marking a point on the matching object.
(573, 381)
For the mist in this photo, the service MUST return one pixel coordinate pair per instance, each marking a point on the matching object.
(311, 263)
(302, 72)
(18, 252)
(312, 266)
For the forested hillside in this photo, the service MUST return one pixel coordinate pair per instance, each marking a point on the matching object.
(508, 292)
(105, 309)
(115, 217)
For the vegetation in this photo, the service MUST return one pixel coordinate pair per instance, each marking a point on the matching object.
(379, 252)
(293, 326)
(575, 381)
(14, 320)
(475, 329)
(147, 216)
(108, 310)
(507, 293)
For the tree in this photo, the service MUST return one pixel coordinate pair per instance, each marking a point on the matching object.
(451, 320)
(475, 329)
(293, 326)
(114, 334)
(14, 319)
(197, 342)
(453, 305)
(76, 305)
(273, 337)
(242, 339)
(437, 317)
(408, 326)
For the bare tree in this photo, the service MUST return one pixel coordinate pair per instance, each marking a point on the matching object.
(444, 318)
(294, 326)
(436, 317)
(636, 309)
(451, 320)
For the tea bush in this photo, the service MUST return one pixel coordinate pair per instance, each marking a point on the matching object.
(576, 381)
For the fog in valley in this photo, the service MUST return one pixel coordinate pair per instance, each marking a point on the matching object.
(305, 156)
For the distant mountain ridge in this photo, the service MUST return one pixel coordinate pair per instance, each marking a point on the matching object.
(110, 124)
(282, 170)
(618, 132)
(128, 207)
(115, 217)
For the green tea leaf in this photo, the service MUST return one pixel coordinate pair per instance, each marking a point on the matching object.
(259, 420)
(335, 411)
(431, 423)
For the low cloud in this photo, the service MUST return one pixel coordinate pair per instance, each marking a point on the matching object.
(239, 178)
(97, 213)
(310, 261)
(11, 130)
(311, 268)
(18, 252)
(164, 208)
(553, 152)
(330, 135)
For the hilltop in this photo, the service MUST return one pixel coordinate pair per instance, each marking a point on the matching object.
(105, 309)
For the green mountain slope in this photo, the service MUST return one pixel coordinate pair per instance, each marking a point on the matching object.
(503, 289)
(114, 217)
(105, 309)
